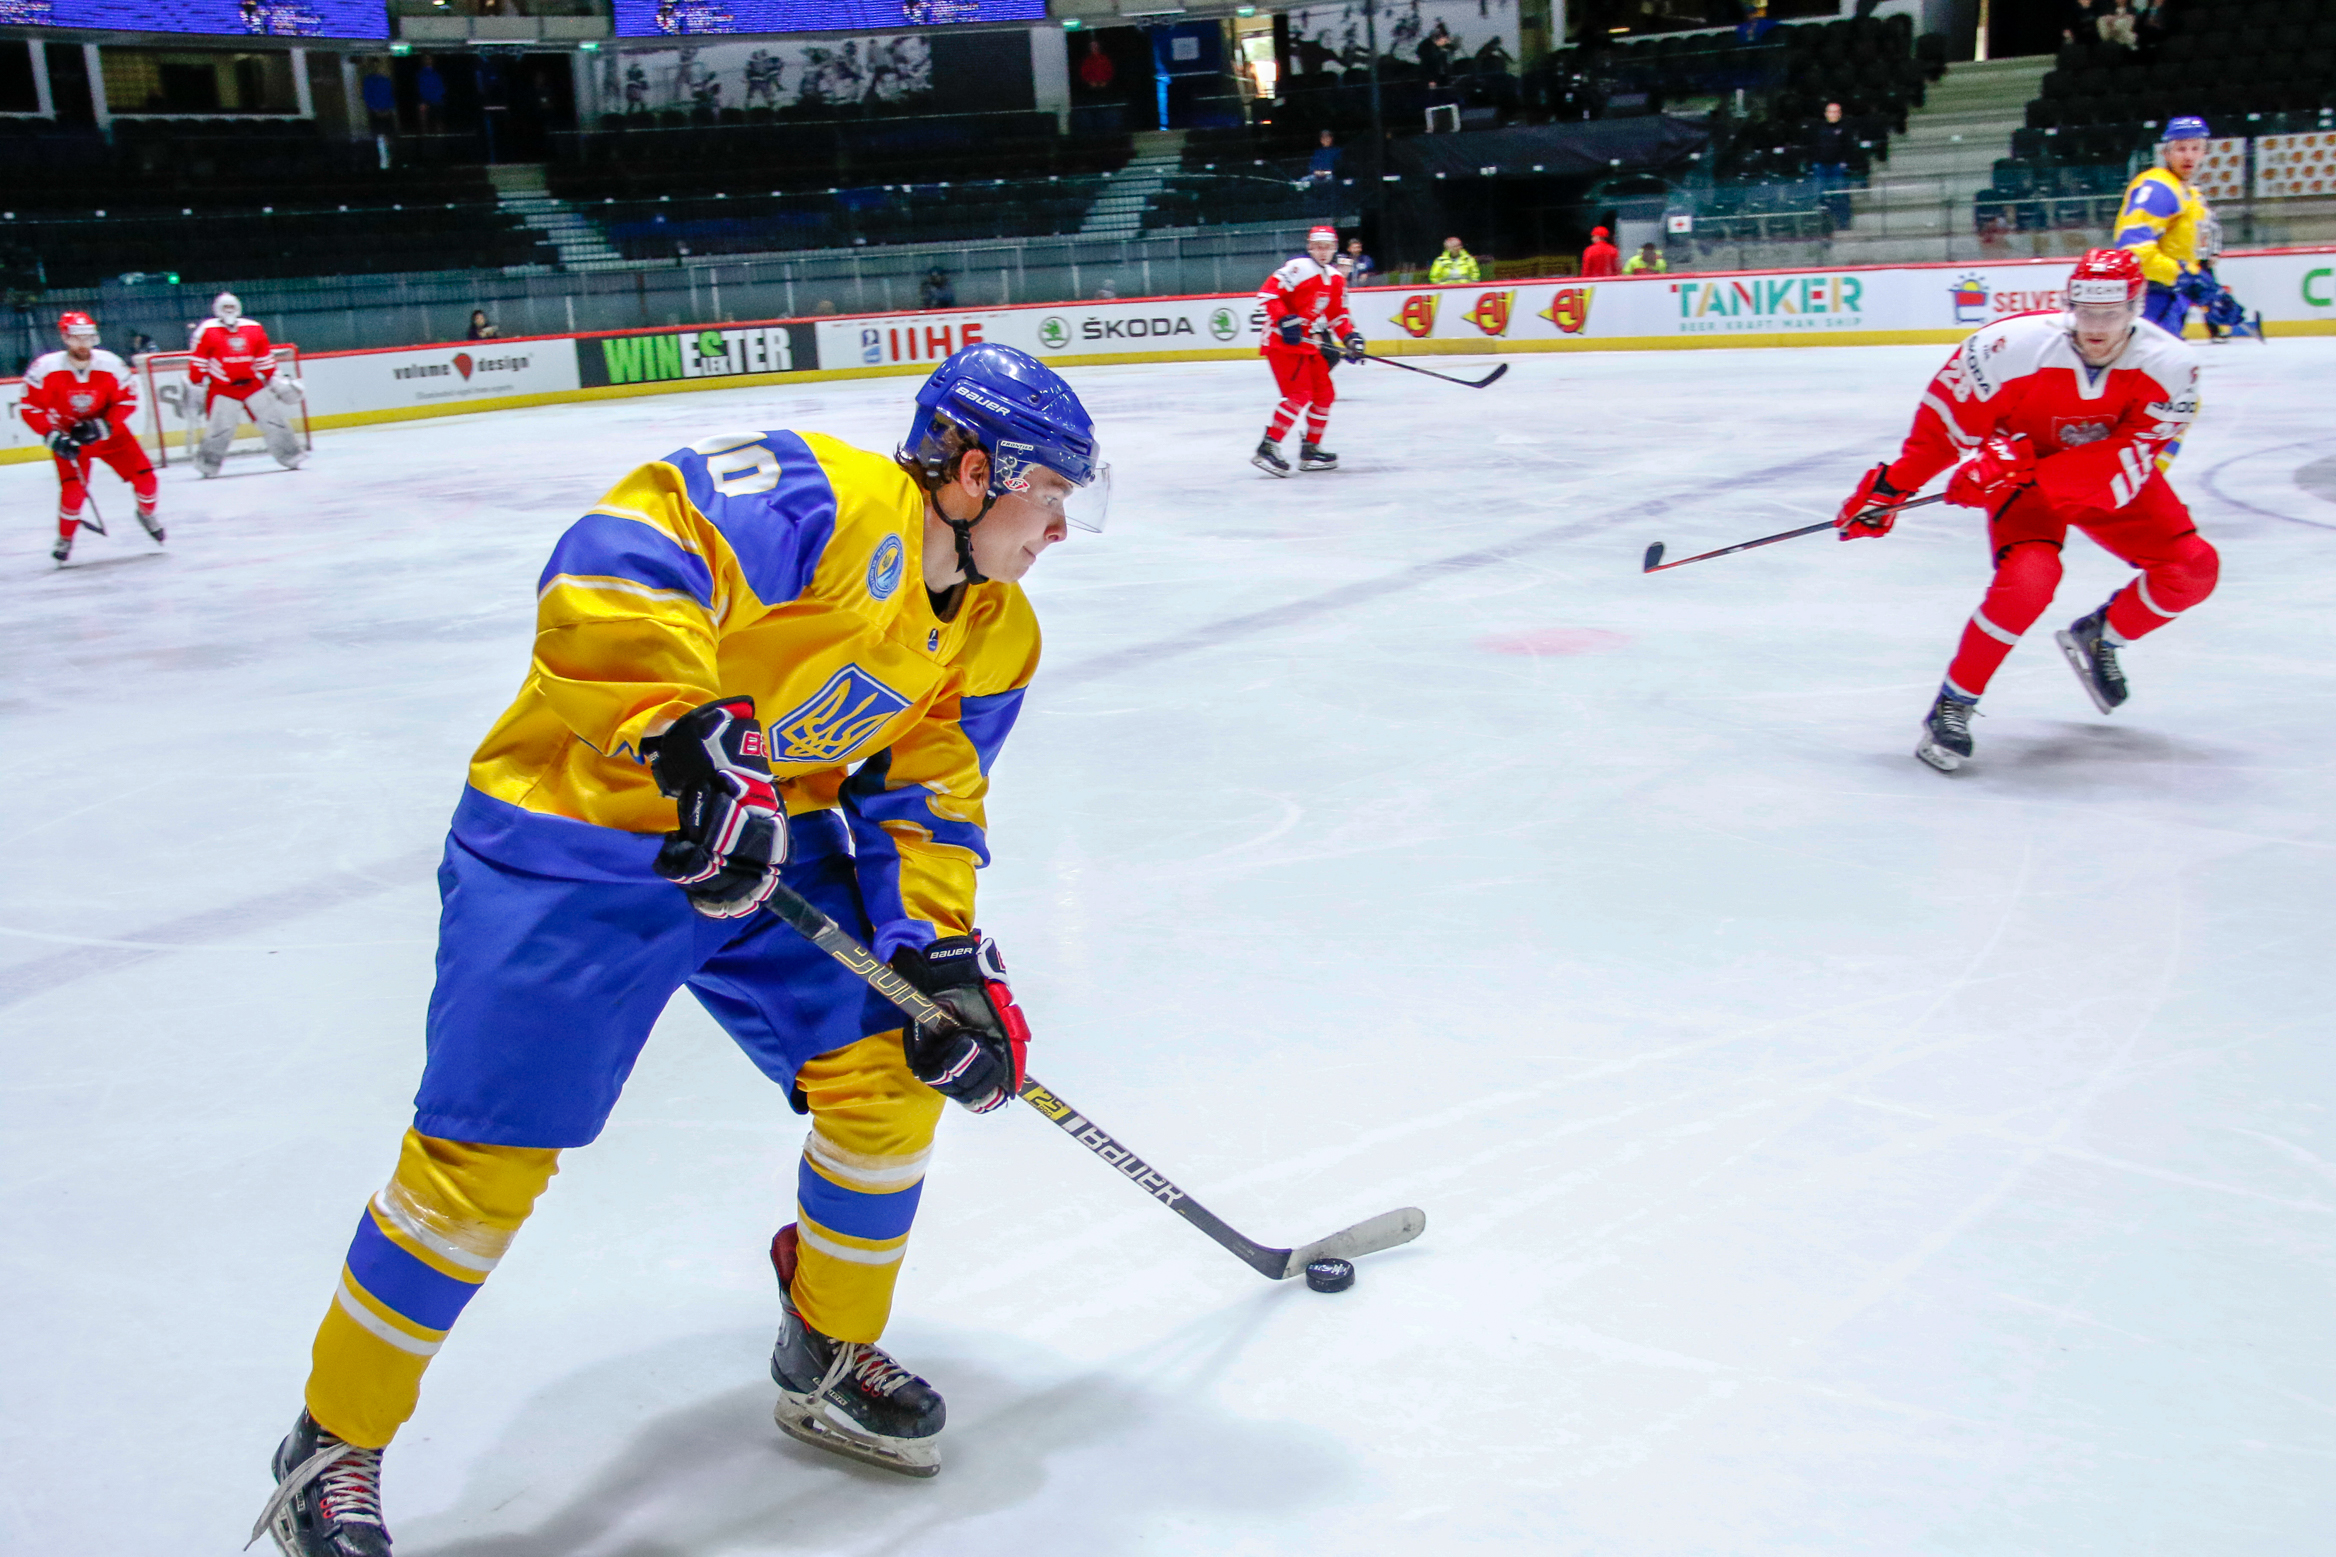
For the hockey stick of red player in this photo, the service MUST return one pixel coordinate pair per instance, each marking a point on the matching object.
(1656, 564)
(1464, 383)
(1385, 1231)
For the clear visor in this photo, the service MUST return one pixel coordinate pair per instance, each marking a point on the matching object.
(1083, 508)
(80, 337)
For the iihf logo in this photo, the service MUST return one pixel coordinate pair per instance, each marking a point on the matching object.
(1969, 295)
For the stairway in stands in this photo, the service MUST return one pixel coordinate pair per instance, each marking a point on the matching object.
(1119, 211)
(521, 191)
(1923, 194)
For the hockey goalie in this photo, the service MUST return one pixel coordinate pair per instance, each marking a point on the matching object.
(234, 365)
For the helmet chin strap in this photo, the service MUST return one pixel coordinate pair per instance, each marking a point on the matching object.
(962, 529)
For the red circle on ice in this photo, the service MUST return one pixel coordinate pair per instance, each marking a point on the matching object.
(1554, 640)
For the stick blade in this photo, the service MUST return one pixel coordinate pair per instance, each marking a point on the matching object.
(1654, 558)
(1493, 377)
(1388, 1230)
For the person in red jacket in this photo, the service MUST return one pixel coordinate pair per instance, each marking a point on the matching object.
(235, 366)
(82, 401)
(2069, 421)
(1601, 258)
(1305, 316)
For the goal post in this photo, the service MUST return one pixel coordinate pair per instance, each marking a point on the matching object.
(174, 406)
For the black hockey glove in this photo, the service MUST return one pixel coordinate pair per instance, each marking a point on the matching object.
(732, 839)
(1293, 330)
(1354, 344)
(978, 1061)
(68, 442)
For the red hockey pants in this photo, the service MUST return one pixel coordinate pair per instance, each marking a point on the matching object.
(2153, 533)
(123, 452)
(1304, 379)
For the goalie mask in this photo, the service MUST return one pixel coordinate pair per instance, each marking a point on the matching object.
(225, 308)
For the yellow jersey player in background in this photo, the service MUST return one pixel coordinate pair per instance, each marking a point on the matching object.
(767, 657)
(2170, 229)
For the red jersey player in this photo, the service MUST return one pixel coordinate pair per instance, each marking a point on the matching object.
(235, 366)
(1305, 311)
(2070, 420)
(82, 401)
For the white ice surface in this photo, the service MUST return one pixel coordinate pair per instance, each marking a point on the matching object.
(1821, 1155)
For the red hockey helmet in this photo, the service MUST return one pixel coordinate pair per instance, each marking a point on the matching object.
(73, 325)
(2106, 276)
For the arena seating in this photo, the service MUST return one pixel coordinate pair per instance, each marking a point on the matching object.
(218, 199)
(2217, 58)
(2248, 67)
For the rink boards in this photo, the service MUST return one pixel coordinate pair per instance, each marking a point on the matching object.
(2295, 290)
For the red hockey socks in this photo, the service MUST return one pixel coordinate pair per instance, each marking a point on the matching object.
(2024, 583)
(2168, 586)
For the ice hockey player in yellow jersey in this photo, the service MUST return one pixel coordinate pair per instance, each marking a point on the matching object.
(765, 657)
(2167, 225)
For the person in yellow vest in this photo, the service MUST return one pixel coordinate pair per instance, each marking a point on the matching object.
(1454, 264)
(1648, 261)
(2169, 228)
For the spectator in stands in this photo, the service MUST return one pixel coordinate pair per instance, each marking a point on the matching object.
(380, 95)
(1095, 69)
(1831, 144)
(1755, 25)
(430, 87)
(1601, 258)
(1648, 261)
(825, 310)
(1322, 167)
(1454, 264)
(140, 344)
(1363, 267)
(935, 291)
(481, 327)
(1107, 292)
(1435, 54)
(2117, 26)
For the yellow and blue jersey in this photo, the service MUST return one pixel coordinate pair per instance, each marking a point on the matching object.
(2163, 221)
(787, 567)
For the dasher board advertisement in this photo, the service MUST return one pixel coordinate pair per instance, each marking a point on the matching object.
(366, 384)
(1166, 328)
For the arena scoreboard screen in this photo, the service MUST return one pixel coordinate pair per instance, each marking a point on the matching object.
(234, 18)
(694, 18)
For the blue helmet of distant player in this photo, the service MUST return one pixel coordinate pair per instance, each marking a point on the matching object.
(1020, 413)
(2187, 128)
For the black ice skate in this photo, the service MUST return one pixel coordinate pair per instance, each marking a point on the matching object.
(848, 1397)
(1268, 458)
(1312, 456)
(2094, 659)
(63, 549)
(328, 1497)
(1946, 732)
(153, 525)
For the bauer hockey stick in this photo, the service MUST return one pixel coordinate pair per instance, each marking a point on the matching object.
(1385, 1231)
(1656, 564)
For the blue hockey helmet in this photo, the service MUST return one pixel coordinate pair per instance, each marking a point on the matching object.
(1020, 413)
(2187, 128)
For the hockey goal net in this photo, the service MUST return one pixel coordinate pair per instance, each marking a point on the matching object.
(174, 406)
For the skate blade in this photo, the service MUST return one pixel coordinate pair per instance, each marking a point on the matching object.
(2082, 663)
(907, 1457)
(1938, 756)
(1260, 463)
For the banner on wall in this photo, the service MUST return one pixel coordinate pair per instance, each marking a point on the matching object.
(670, 356)
(2294, 289)
(423, 379)
(836, 72)
(1335, 36)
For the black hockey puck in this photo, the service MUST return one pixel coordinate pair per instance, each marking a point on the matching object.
(1330, 1275)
